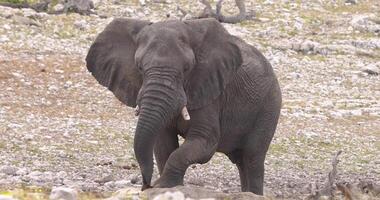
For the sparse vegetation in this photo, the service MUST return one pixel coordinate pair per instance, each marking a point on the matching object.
(58, 122)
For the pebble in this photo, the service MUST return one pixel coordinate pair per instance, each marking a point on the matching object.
(372, 69)
(3, 197)
(22, 172)
(9, 170)
(177, 195)
(4, 39)
(58, 8)
(25, 21)
(105, 179)
(122, 183)
(63, 193)
(81, 24)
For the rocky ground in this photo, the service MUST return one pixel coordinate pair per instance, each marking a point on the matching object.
(59, 127)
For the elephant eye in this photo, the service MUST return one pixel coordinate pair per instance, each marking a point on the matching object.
(186, 68)
(139, 67)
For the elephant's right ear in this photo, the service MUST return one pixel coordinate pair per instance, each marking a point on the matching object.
(111, 59)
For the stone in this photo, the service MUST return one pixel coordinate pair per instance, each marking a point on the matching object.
(58, 8)
(7, 12)
(126, 194)
(176, 195)
(372, 69)
(9, 170)
(4, 39)
(28, 12)
(81, 24)
(327, 104)
(199, 193)
(365, 23)
(79, 6)
(63, 193)
(356, 112)
(308, 46)
(104, 179)
(351, 1)
(3, 197)
(22, 172)
(25, 21)
(122, 183)
(142, 2)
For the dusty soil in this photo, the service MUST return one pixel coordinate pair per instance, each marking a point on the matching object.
(58, 126)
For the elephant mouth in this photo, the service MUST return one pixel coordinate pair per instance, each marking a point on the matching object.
(184, 112)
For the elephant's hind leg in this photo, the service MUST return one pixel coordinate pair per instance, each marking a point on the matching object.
(236, 157)
(255, 149)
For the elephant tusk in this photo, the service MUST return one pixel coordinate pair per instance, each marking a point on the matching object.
(185, 113)
(137, 111)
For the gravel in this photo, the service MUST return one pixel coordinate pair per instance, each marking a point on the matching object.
(60, 128)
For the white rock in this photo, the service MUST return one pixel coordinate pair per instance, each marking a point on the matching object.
(22, 172)
(142, 2)
(58, 8)
(63, 193)
(62, 174)
(308, 46)
(96, 3)
(3, 197)
(4, 39)
(356, 112)
(9, 170)
(122, 183)
(327, 104)
(298, 24)
(126, 193)
(81, 24)
(27, 12)
(268, 2)
(372, 69)
(177, 195)
(7, 12)
(7, 27)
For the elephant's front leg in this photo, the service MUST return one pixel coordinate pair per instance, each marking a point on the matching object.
(166, 143)
(199, 146)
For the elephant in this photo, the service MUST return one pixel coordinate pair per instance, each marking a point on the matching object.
(194, 80)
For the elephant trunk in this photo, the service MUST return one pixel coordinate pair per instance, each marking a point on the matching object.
(157, 107)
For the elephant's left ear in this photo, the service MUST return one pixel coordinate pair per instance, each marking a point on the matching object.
(217, 60)
(111, 59)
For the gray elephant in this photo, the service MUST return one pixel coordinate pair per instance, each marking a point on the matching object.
(193, 79)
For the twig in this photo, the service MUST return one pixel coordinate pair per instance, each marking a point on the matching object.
(183, 12)
(328, 189)
(219, 7)
(206, 3)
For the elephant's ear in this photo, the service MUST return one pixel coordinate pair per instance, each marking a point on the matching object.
(217, 60)
(111, 59)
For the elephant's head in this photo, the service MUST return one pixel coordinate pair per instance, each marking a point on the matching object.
(163, 68)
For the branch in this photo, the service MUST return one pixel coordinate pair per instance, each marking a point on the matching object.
(327, 190)
(183, 12)
(219, 7)
(206, 3)
(217, 14)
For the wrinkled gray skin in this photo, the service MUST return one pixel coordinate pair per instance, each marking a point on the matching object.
(229, 88)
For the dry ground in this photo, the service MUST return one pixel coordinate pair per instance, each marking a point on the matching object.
(58, 126)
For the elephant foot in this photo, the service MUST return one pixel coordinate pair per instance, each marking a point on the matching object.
(163, 182)
(145, 186)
